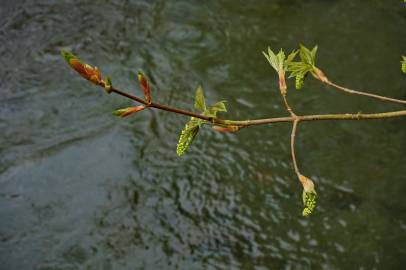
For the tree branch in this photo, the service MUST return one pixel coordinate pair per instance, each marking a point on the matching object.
(265, 121)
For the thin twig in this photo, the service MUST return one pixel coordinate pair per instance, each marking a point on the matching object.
(288, 108)
(292, 146)
(161, 106)
(351, 91)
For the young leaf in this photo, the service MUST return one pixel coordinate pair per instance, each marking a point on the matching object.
(404, 63)
(307, 56)
(107, 84)
(187, 136)
(200, 103)
(217, 107)
(313, 54)
(290, 59)
(306, 65)
(275, 60)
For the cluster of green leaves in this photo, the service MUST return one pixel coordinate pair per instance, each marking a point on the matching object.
(298, 69)
(403, 63)
(309, 201)
(279, 61)
(301, 69)
(192, 127)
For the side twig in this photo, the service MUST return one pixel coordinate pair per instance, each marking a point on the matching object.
(292, 146)
(351, 91)
(288, 108)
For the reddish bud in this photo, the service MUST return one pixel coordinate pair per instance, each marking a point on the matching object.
(86, 71)
(227, 129)
(318, 74)
(144, 85)
(307, 183)
(282, 82)
(127, 111)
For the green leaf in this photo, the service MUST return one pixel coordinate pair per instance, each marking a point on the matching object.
(290, 58)
(200, 103)
(313, 54)
(404, 63)
(219, 106)
(302, 68)
(275, 60)
(307, 56)
(297, 68)
(212, 111)
(187, 136)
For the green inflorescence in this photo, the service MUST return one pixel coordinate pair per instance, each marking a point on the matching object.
(299, 81)
(309, 201)
(404, 64)
(189, 132)
(191, 129)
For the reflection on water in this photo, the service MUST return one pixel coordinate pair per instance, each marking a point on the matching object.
(82, 190)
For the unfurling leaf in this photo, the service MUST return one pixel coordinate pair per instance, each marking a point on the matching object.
(308, 56)
(107, 84)
(219, 106)
(306, 65)
(290, 59)
(142, 79)
(212, 111)
(404, 63)
(187, 136)
(127, 111)
(309, 195)
(278, 62)
(200, 103)
(86, 71)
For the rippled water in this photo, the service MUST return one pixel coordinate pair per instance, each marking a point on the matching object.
(80, 189)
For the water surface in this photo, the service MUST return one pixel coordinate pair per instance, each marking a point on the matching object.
(80, 189)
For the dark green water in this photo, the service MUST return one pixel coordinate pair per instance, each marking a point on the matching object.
(80, 189)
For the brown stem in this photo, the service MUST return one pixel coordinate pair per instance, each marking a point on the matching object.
(161, 106)
(244, 123)
(292, 146)
(351, 91)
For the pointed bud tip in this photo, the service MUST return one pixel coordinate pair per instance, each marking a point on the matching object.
(118, 112)
(67, 55)
(140, 74)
